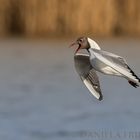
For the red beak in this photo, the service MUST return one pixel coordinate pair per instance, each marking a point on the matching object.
(75, 44)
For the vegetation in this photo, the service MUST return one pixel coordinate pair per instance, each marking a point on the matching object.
(69, 17)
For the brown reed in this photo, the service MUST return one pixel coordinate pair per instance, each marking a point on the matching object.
(69, 17)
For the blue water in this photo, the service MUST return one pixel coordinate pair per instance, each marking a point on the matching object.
(43, 98)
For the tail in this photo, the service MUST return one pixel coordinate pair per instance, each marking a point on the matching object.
(132, 83)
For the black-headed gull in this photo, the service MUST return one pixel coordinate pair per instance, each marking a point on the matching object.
(97, 60)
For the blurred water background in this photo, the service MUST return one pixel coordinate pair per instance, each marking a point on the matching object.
(41, 95)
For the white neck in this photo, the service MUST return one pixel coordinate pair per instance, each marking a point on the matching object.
(93, 44)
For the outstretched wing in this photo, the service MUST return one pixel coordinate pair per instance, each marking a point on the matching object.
(118, 63)
(115, 59)
(88, 74)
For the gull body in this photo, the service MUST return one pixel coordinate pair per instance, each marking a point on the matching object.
(101, 61)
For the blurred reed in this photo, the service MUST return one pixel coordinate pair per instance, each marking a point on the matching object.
(69, 17)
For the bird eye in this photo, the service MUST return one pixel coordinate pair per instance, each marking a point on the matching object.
(80, 40)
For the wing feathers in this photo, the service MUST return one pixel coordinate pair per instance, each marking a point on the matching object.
(117, 63)
(88, 74)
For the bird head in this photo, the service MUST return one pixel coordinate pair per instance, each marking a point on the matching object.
(84, 43)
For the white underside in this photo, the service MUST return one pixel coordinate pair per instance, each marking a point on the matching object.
(103, 68)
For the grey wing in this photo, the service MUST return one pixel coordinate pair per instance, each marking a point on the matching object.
(120, 61)
(88, 74)
(114, 58)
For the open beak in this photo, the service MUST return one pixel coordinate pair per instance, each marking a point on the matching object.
(75, 44)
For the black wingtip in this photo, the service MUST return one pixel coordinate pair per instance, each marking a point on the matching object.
(100, 98)
(133, 84)
(132, 72)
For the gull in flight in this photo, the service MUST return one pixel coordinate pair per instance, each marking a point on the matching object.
(98, 60)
